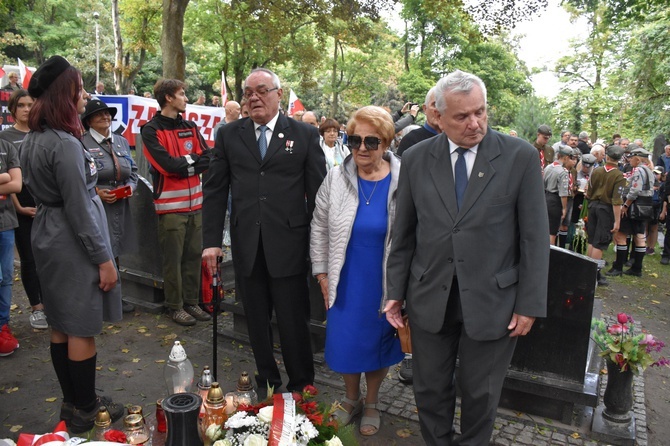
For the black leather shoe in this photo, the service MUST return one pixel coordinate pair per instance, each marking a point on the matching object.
(665, 260)
(127, 307)
(614, 272)
(83, 421)
(631, 272)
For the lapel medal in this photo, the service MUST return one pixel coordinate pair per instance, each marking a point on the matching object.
(289, 145)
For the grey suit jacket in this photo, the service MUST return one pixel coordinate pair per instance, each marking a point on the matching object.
(273, 197)
(497, 244)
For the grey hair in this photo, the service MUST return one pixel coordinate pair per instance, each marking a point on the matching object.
(275, 78)
(457, 82)
(583, 135)
(430, 96)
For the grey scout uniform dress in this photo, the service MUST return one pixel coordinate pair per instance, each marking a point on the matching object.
(122, 232)
(70, 236)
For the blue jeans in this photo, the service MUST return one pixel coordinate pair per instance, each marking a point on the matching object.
(6, 273)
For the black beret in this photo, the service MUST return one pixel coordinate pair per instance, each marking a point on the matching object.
(46, 74)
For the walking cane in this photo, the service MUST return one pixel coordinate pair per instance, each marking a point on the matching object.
(215, 314)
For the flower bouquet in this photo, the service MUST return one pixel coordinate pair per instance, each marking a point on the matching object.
(285, 419)
(629, 351)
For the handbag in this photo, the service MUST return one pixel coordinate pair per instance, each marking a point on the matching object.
(405, 335)
(642, 209)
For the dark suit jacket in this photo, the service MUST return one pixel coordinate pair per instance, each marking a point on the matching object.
(497, 244)
(272, 198)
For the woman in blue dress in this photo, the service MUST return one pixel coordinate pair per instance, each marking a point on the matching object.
(350, 239)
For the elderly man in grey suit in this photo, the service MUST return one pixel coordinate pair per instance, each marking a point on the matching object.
(470, 259)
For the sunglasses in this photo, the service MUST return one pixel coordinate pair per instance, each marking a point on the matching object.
(371, 142)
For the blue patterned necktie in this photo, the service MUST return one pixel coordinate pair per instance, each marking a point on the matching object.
(262, 141)
(461, 176)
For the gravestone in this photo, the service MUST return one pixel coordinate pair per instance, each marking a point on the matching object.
(551, 371)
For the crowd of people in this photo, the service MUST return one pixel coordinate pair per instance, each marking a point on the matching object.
(393, 220)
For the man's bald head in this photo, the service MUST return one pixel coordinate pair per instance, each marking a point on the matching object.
(232, 111)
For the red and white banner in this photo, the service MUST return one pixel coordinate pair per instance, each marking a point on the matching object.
(282, 430)
(52, 439)
(26, 75)
(294, 104)
(135, 111)
(224, 92)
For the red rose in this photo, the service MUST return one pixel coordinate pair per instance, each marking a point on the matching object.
(622, 318)
(115, 436)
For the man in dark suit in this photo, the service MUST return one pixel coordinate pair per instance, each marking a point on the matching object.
(470, 259)
(273, 167)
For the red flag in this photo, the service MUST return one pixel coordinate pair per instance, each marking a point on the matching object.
(294, 104)
(224, 93)
(25, 74)
(2, 72)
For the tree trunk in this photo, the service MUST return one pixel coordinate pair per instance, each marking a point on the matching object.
(172, 46)
(333, 80)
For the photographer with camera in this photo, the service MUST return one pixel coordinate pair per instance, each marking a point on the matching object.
(402, 118)
(430, 128)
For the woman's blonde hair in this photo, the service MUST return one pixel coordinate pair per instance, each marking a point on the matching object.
(378, 118)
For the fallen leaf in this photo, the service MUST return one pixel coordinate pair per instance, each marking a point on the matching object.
(141, 330)
(13, 307)
(136, 359)
(51, 400)
(170, 336)
(655, 302)
(403, 433)
(124, 350)
(161, 326)
(14, 429)
(12, 389)
(112, 369)
(575, 435)
(98, 368)
(159, 361)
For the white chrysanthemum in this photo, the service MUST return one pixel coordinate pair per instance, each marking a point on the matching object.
(240, 419)
(224, 442)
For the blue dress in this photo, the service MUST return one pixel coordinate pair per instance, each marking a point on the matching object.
(358, 336)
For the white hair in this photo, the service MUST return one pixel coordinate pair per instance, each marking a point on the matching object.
(275, 78)
(456, 82)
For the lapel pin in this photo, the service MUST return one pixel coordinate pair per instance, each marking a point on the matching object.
(280, 136)
(481, 174)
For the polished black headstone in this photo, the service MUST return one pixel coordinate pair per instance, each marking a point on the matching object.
(551, 371)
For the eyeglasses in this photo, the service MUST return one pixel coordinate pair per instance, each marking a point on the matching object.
(261, 92)
(371, 142)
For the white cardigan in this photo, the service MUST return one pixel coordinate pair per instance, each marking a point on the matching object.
(333, 220)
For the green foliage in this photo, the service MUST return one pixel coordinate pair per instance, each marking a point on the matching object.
(533, 112)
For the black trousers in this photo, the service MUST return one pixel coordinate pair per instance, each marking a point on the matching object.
(482, 369)
(289, 298)
(24, 247)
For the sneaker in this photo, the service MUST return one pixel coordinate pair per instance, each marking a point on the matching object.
(405, 372)
(181, 317)
(651, 251)
(197, 313)
(83, 421)
(38, 320)
(8, 343)
(665, 260)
